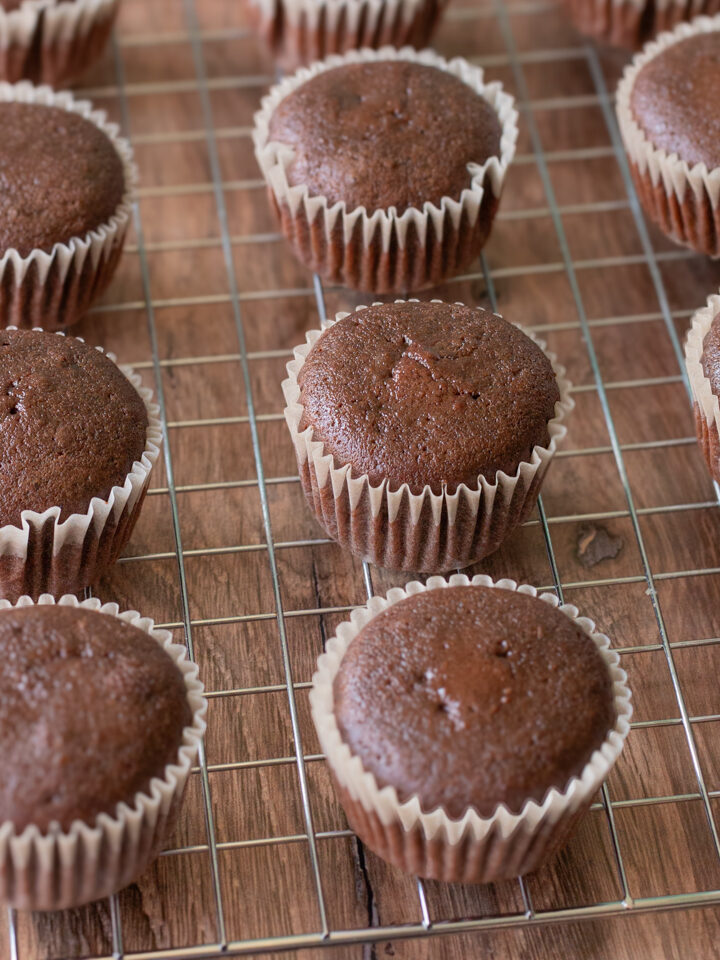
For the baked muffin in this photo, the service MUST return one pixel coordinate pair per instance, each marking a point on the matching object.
(301, 31)
(350, 148)
(468, 724)
(53, 41)
(702, 358)
(631, 23)
(94, 708)
(423, 430)
(64, 206)
(670, 120)
(72, 181)
(78, 438)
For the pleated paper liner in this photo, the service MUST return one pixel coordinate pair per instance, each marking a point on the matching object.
(66, 868)
(631, 23)
(387, 252)
(55, 289)
(705, 403)
(425, 532)
(47, 555)
(298, 32)
(473, 849)
(53, 41)
(682, 200)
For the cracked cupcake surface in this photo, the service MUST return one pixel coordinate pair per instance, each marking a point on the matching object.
(473, 697)
(370, 134)
(428, 394)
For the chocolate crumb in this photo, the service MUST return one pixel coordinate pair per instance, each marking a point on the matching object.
(596, 543)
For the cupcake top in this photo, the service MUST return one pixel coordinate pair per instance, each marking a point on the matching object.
(711, 355)
(473, 697)
(60, 177)
(387, 133)
(429, 394)
(91, 709)
(674, 99)
(71, 424)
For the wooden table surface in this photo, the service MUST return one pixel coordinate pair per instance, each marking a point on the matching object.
(208, 303)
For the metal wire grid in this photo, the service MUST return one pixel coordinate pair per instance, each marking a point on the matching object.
(325, 935)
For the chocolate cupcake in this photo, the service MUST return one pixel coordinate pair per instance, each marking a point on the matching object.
(423, 430)
(702, 358)
(101, 718)
(631, 23)
(670, 121)
(64, 207)
(468, 725)
(350, 151)
(79, 437)
(301, 31)
(52, 41)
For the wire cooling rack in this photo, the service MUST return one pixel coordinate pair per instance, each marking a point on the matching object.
(208, 304)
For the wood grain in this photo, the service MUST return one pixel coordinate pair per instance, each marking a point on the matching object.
(265, 876)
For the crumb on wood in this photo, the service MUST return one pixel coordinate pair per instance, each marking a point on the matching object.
(595, 544)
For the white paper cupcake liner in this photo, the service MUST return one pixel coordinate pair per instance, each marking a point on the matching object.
(387, 252)
(53, 41)
(58, 869)
(425, 532)
(682, 200)
(705, 403)
(630, 23)
(473, 849)
(55, 289)
(47, 555)
(302, 31)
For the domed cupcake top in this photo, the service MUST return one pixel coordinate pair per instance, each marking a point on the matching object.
(473, 697)
(71, 424)
(674, 99)
(60, 177)
(429, 394)
(711, 355)
(385, 133)
(91, 709)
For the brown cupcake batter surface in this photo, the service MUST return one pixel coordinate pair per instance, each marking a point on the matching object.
(711, 355)
(91, 709)
(60, 177)
(71, 424)
(427, 394)
(472, 697)
(674, 99)
(385, 134)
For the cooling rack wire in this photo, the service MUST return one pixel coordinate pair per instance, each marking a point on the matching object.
(208, 304)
